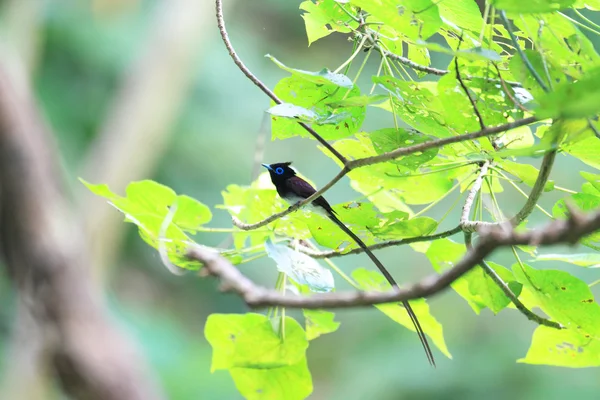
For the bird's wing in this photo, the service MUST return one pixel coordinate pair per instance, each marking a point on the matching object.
(303, 189)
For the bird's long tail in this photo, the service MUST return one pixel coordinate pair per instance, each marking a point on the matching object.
(392, 282)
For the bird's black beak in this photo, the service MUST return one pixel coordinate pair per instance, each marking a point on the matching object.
(267, 166)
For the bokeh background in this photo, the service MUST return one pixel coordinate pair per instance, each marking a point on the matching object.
(144, 89)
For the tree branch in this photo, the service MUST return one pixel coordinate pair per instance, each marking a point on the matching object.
(465, 223)
(44, 253)
(237, 60)
(382, 245)
(557, 232)
(392, 155)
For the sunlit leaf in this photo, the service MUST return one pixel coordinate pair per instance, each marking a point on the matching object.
(591, 260)
(372, 280)
(319, 322)
(565, 298)
(249, 341)
(562, 348)
(300, 268)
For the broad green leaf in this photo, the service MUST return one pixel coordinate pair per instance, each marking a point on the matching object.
(594, 179)
(585, 202)
(591, 260)
(147, 204)
(415, 104)
(566, 49)
(489, 292)
(291, 382)
(319, 322)
(372, 280)
(572, 100)
(357, 101)
(532, 6)
(390, 139)
(419, 55)
(463, 14)
(287, 110)
(323, 77)
(300, 268)
(518, 138)
(248, 341)
(416, 19)
(254, 203)
(586, 150)
(325, 17)
(443, 255)
(358, 216)
(526, 172)
(474, 54)
(565, 298)
(415, 227)
(562, 348)
(315, 97)
(522, 73)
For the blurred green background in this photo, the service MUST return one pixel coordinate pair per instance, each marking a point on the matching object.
(144, 89)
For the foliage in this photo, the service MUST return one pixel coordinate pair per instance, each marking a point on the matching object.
(556, 79)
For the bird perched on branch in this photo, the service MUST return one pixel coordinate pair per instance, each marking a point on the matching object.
(293, 189)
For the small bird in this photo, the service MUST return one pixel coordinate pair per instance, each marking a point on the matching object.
(293, 189)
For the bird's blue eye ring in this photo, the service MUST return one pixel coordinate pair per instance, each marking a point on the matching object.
(279, 171)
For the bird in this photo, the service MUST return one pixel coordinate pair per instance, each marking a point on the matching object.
(294, 189)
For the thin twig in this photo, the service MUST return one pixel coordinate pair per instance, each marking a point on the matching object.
(466, 224)
(382, 245)
(524, 58)
(466, 90)
(507, 91)
(489, 271)
(260, 84)
(556, 232)
(422, 68)
(537, 190)
(403, 151)
(515, 300)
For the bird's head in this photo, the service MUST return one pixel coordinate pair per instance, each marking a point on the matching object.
(280, 171)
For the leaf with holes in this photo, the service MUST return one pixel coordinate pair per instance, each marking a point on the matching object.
(562, 348)
(310, 95)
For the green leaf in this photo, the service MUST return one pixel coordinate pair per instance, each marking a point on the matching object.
(463, 14)
(532, 6)
(415, 19)
(248, 341)
(518, 138)
(323, 77)
(572, 100)
(443, 255)
(310, 95)
(562, 348)
(586, 150)
(593, 179)
(372, 280)
(319, 322)
(416, 104)
(591, 260)
(301, 268)
(586, 203)
(357, 101)
(526, 172)
(146, 205)
(291, 382)
(287, 110)
(390, 139)
(565, 298)
(489, 292)
(257, 202)
(358, 216)
(415, 227)
(325, 17)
